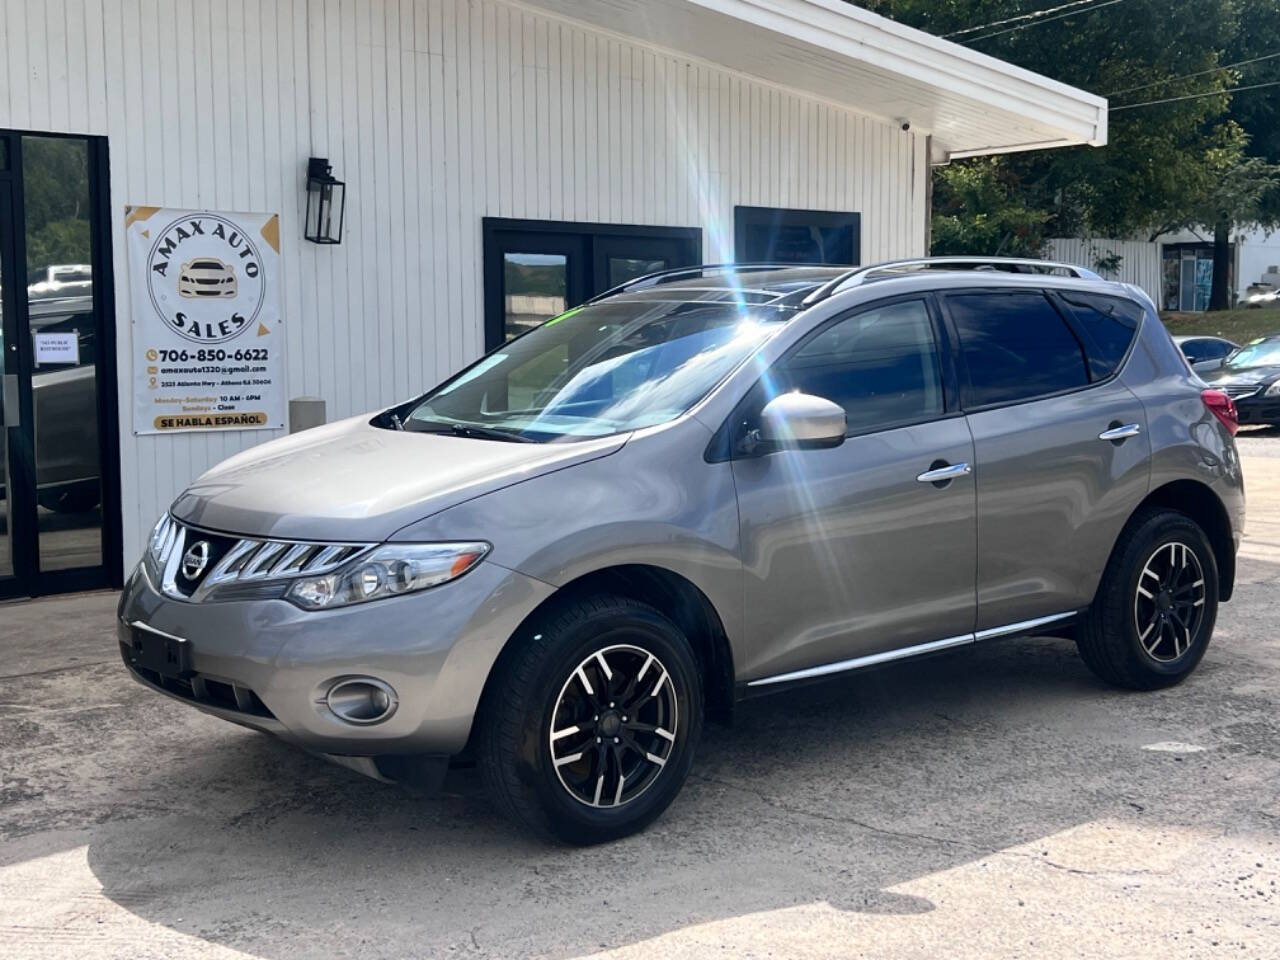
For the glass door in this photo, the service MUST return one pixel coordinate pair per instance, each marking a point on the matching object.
(537, 269)
(620, 257)
(59, 394)
(10, 413)
(542, 275)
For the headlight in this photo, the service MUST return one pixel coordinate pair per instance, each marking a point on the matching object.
(1273, 390)
(158, 545)
(389, 571)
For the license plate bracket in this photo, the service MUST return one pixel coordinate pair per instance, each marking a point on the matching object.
(162, 653)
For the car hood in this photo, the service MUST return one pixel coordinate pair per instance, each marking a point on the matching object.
(351, 481)
(1224, 376)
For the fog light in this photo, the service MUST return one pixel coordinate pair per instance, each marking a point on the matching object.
(362, 700)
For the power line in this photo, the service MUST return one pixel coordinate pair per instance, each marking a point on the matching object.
(1188, 76)
(1033, 15)
(1033, 23)
(1197, 96)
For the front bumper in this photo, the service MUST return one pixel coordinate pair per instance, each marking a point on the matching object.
(268, 665)
(1258, 409)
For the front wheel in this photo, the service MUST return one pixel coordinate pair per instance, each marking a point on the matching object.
(588, 727)
(1152, 618)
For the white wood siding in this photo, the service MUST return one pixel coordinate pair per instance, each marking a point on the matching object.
(436, 113)
(1139, 260)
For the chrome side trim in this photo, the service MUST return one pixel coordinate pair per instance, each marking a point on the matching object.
(903, 653)
(868, 661)
(1022, 625)
(138, 624)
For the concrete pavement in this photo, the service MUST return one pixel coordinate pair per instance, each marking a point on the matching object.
(994, 802)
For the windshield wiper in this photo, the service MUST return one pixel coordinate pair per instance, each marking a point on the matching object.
(472, 431)
(487, 433)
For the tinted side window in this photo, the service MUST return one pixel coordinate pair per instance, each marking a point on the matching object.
(1195, 350)
(1216, 349)
(1109, 323)
(1015, 346)
(881, 365)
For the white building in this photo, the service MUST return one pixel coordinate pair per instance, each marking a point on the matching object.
(500, 159)
(1176, 269)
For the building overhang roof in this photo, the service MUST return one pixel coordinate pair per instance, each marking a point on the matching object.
(969, 103)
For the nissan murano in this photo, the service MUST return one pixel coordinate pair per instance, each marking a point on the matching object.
(705, 485)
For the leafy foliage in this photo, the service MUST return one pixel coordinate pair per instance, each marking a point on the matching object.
(55, 174)
(1165, 165)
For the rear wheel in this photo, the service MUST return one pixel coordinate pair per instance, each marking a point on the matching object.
(1154, 613)
(588, 729)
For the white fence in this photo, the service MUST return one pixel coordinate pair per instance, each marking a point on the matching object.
(1139, 261)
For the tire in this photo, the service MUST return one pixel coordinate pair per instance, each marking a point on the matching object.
(1153, 615)
(553, 678)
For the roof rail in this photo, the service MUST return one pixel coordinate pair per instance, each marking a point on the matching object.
(681, 273)
(859, 275)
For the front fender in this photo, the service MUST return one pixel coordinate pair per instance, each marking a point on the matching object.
(656, 502)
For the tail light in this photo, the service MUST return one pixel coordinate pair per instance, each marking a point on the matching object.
(1222, 407)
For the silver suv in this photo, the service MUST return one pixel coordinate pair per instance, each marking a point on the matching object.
(705, 485)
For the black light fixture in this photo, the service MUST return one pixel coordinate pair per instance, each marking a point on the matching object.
(326, 203)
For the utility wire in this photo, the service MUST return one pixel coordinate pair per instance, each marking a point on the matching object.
(1033, 15)
(1033, 23)
(1188, 76)
(1197, 96)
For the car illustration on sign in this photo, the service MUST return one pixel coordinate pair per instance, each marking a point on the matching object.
(206, 277)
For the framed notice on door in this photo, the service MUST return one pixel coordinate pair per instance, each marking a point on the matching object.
(208, 345)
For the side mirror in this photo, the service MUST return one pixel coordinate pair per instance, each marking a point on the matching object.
(798, 421)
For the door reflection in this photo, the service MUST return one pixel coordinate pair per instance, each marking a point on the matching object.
(65, 350)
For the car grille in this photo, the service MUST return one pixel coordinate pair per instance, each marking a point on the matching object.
(192, 563)
(1241, 390)
(201, 689)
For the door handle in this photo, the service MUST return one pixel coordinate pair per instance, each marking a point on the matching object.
(12, 412)
(1121, 431)
(944, 473)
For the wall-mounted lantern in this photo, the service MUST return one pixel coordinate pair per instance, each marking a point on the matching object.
(326, 202)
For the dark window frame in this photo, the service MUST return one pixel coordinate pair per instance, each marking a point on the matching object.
(110, 573)
(745, 217)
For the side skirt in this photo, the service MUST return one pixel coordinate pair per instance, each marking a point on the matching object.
(785, 680)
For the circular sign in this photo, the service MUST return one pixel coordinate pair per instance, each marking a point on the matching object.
(205, 278)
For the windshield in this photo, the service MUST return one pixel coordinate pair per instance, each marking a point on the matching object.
(601, 369)
(1263, 353)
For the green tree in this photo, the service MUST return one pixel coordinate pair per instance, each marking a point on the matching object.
(55, 174)
(1156, 157)
(1241, 196)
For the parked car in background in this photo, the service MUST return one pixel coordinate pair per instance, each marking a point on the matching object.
(1260, 295)
(60, 281)
(707, 484)
(1251, 377)
(1205, 353)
